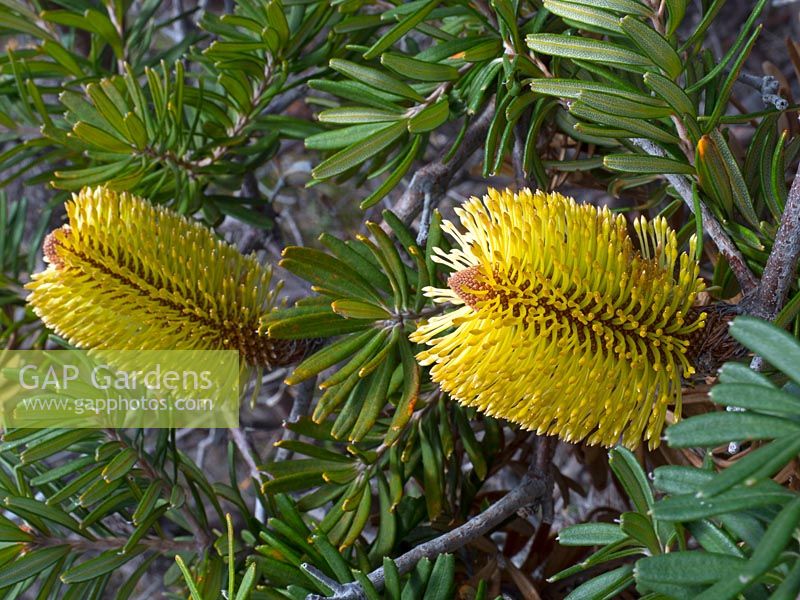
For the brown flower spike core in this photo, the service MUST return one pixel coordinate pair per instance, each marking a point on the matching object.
(127, 275)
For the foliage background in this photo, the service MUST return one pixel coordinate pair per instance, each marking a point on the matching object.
(231, 120)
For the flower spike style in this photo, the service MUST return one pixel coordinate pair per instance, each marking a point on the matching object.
(127, 275)
(560, 324)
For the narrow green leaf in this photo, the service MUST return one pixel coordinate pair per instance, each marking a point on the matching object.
(653, 45)
(622, 107)
(591, 534)
(349, 115)
(741, 195)
(777, 347)
(694, 568)
(766, 555)
(586, 49)
(354, 155)
(394, 178)
(187, 576)
(420, 70)
(402, 28)
(759, 464)
(756, 398)
(637, 126)
(442, 583)
(584, 14)
(572, 88)
(375, 78)
(31, 564)
(342, 137)
(713, 429)
(632, 477)
(606, 585)
(106, 562)
(430, 117)
(671, 92)
(689, 507)
(120, 465)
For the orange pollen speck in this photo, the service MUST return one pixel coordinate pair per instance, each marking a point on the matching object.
(50, 245)
(465, 282)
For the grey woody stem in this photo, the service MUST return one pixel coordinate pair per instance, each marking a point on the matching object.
(747, 281)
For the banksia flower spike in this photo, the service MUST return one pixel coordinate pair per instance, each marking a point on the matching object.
(127, 275)
(561, 324)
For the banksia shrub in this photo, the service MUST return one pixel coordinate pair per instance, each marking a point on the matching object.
(127, 275)
(562, 325)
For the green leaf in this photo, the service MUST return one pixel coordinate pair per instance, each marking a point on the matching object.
(716, 428)
(430, 117)
(316, 325)
(723, 95)
(768, 553)
(106, 562)
(402, 28)
(106, 108)
(676, 9)
(96, 137)
(680, 480)
(187, 576)
(328, 356)
(741, 195)
(653, 45)
(776, 346)
(671, 92)
(620, 6)
(356, 154)
(640, 529)
(591, 534)
(713, 539)
(622, 107)
(735, 48)
(419, 70)
(31, 564)
(572, 88)
(686, 568)
(356, 309)
(28, 506)
(342, 137)
(394, 178)
(738, 373)
(756, 398)
(375, 78)
(635, 163)
(606, 585)
(636, 126)
(46, 447)
(690, 508)
(584, 14)
(348, 115)
(247, 583)
(632, 477)
(442, 583)
(759, 464)
(120, 465)
(328, 273)
(587, 49)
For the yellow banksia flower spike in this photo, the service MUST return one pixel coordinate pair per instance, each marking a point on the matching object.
(127, 275)
(560, 324)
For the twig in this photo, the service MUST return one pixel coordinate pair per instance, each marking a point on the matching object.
(747, 281)
(768, 86)
(532, 489)
(301, 406)
(243, 445)
(780, 270)
(434, 177)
